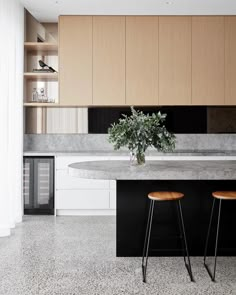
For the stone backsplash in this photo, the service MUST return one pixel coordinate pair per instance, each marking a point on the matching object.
(99, 142)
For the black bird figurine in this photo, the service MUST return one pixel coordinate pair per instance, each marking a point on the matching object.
(43, 65)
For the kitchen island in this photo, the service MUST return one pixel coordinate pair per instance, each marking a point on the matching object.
(196, 179)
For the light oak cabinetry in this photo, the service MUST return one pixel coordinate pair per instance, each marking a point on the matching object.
(208, 60)
(230, 60)
(147, 60)
(75, 57)
(174, 60)
(141, 60)
(108, 60)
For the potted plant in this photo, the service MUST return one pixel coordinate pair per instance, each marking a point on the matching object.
(139, 131)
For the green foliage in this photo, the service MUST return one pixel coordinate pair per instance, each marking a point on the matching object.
(139, 131)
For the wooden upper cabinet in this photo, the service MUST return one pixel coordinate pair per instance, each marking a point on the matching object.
(141, 60)
(147, 60)
(208, 60)
(174, 60)
(75, 58)
(230, 60)
(108, 60)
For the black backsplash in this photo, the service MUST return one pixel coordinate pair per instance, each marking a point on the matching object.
(180, 119)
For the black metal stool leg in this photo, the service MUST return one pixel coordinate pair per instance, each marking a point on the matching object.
(181, 232)
(208, 231)
(187, 264)
(212, 276)
(147, 240)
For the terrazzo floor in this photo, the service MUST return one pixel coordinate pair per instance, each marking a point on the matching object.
(76, 256)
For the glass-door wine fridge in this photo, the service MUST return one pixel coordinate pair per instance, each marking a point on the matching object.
(38, 185)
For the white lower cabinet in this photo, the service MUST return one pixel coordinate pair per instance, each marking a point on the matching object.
(112, 184)
(65, 181)
(83, 199)
(78, 196)
(112, 199)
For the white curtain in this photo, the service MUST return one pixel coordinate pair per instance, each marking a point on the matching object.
(11, 113)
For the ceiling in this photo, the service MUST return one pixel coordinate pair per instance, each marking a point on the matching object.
(49, 10)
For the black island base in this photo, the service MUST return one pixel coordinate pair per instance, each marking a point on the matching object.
(132, 213)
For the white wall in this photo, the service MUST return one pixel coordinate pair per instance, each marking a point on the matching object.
(11, 98)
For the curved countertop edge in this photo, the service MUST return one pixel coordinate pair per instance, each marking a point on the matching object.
(155, 170)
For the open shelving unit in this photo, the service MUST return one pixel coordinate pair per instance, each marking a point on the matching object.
(33, 52)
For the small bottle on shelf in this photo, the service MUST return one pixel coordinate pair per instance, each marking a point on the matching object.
(35, 95)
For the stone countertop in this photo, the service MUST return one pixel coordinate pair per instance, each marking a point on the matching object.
(122, 153)
(163, 170)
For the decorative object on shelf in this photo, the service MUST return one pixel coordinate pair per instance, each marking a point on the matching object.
(42, 95)
(44, 68)
(39, 95)
(138, 132)
(35, 95)
(51, 100)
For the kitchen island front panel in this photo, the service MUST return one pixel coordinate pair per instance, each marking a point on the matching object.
(132, 213)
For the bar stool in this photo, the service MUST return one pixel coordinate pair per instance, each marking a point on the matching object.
(223, 195)
(165, 196)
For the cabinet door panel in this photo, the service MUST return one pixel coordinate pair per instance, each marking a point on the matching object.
(28, 183)
(108, 60)
(141, 60)
(82, 199)
(208, 60)
(75, 51)
(174, 60)
(112, 199)
(230, 60)
(65, 181)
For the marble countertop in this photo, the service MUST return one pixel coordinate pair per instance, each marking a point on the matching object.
(163, 170)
